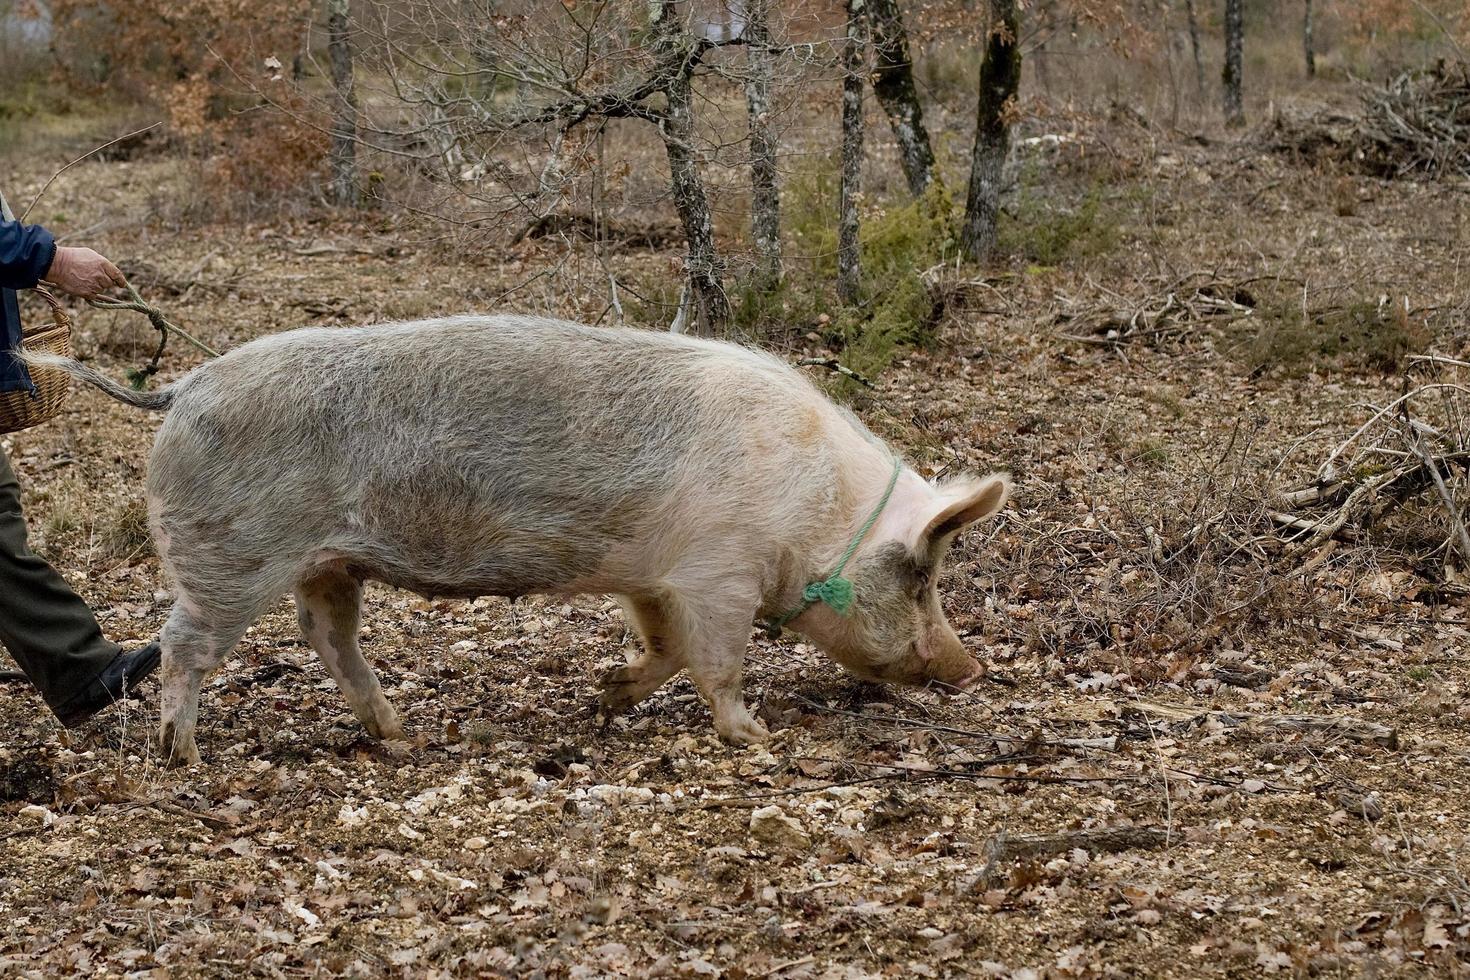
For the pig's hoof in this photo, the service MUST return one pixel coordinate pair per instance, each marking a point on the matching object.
(622, 688)
(178, 753)
(390, 732)
(743, 731)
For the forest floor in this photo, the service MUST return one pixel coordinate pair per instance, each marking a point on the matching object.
(1141, 677)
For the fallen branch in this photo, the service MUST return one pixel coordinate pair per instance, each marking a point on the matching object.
(1169, 314)
(1356, 729)
(1004, 848)
(219, 823)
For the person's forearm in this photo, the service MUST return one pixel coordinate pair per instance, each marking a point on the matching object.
(26, 254)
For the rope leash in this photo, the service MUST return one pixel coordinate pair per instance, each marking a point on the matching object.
(836, 591)
(161, 323)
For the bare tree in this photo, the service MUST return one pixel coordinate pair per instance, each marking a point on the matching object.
(854, 57)
(765, 196)
(343, 153)
(1234, 40)
(1199, 65)
(1307, 41)
(491, 102)
(1000, 78)
(893, 84)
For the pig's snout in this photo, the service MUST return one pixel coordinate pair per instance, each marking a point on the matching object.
(969, 679)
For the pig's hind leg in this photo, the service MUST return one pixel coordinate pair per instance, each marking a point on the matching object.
(329, 608)
(192, 648)
(663, 656)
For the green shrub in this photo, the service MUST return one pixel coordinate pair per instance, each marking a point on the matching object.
(1042, 230)
(899, 244)
(1362, 335)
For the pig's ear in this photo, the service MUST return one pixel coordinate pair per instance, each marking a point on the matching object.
(962, 504)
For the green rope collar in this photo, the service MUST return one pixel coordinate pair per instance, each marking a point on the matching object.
(834, 590)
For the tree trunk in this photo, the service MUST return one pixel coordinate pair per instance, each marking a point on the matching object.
(711, 307)
(1234, 39)
(765, 197)
(854, 56)
(893, 84)
(1199, 65)
(1307, 45)
(343, 152)
(1000, 78)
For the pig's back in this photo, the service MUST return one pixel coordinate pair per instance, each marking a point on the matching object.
(430, 445)
(463, 383)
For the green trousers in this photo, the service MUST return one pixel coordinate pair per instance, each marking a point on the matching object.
(44, 625)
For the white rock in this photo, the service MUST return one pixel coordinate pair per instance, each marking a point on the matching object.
(349, 816)
(772, 825)
(45, 816)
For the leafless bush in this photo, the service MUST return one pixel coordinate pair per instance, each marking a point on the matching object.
(1146, 582)
(1407, 464)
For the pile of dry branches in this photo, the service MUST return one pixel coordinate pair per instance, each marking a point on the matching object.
(1165, 315)
(1417, 446)
(1415, 125)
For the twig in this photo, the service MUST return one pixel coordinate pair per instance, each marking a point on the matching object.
(1444, 494)
(1109, 744)
(752, 799)
(219, 823)
(46, 186)
(831, 364)
(1358, 729)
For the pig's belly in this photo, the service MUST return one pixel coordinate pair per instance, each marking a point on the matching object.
(468, 565)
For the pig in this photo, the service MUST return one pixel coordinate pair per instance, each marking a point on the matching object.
(704, 484)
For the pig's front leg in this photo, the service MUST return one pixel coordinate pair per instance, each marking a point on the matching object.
(718, 636)
(708, 635)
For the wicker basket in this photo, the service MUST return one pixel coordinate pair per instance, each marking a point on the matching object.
(21, 409)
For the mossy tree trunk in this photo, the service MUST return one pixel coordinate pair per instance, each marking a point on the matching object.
(1000, 79)
(705, 290)
(765, 195)
(854, 57)
(343, 153)
(893, 84)
(1234, 41)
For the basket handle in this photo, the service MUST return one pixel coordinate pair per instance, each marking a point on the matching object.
(59, 316)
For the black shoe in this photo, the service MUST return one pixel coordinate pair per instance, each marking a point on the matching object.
(118, 679)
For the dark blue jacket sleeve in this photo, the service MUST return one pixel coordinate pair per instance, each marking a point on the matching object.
(26, 252)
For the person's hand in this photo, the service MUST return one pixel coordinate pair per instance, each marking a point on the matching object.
(83, 272)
